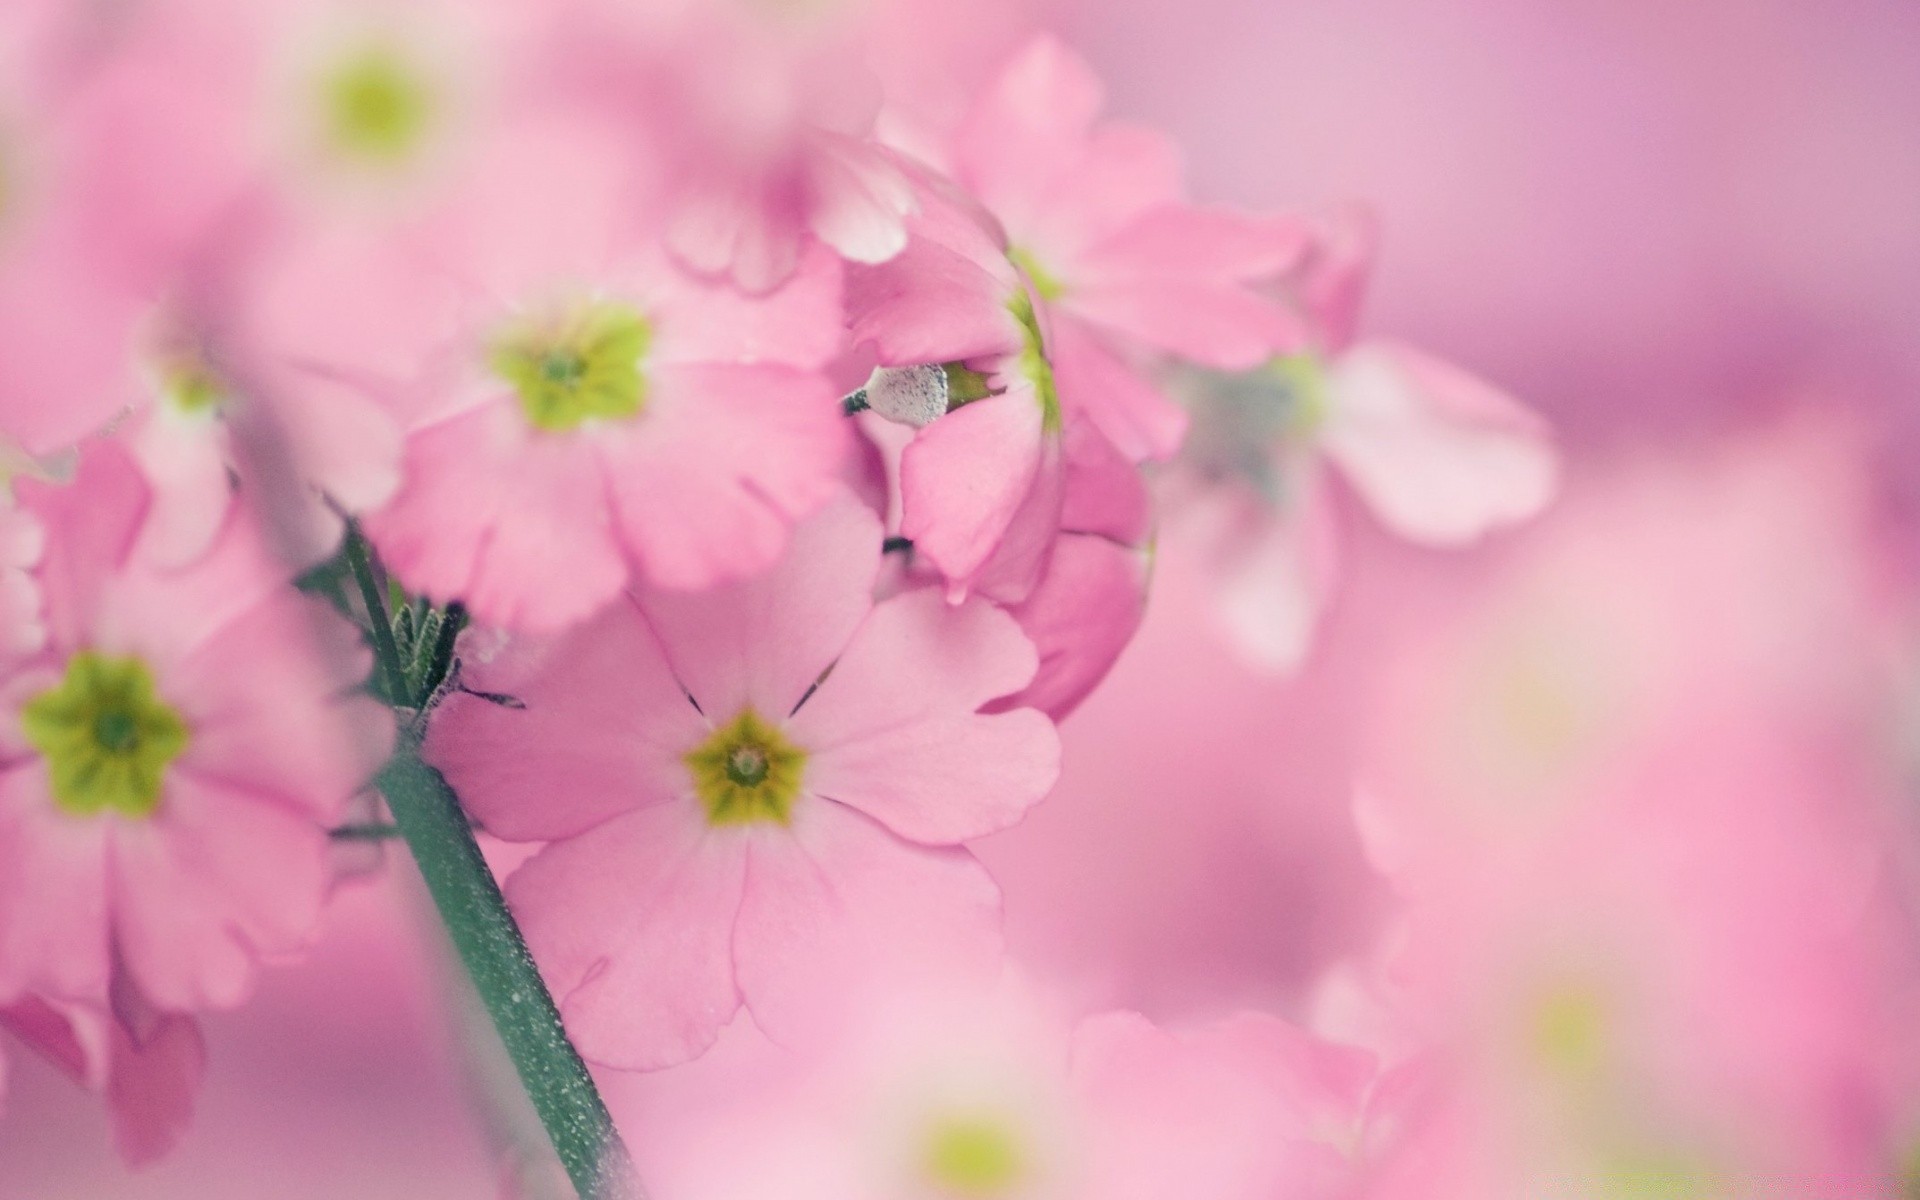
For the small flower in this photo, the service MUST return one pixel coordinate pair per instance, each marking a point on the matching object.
(753, 795)
(1440, 457)
(1095, 218)
(590, 410)
(170, 759)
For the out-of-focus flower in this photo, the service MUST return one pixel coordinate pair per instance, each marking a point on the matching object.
(1691, 989)
(755, 794)
(963, 360)
(1440, 457)
(174, 756)
(103, 199)
(759, 117)
(593, 409)
(1095, 217)
(1651, 940)
(997, 1095)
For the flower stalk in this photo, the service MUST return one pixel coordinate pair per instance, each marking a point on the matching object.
(488, 941)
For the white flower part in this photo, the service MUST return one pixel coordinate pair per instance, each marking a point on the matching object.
(915, 396)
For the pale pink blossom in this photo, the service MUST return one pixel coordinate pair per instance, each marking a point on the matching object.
(753, 795)
(981, 481)
(1003, 1094)
(1094, 212)
(590, 410)
(174, 756)
(104, 198)
(1438, 456)
(759, 118)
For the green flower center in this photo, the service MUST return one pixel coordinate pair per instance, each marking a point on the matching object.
(190, 385)
(747, 771)
(974, 1156)
(582, 366)
(1044, 281)
(106, 735)
(1034, 365)
(376, 106)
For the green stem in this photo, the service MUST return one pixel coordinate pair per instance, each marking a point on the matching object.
(384, 647)
(488, 941)
(503, 972)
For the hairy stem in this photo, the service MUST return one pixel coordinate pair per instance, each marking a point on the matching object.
(490, 947)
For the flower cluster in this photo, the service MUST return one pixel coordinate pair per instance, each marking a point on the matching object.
(721, 458)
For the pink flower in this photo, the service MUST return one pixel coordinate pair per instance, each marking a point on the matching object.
(755, 795)
(995, 1094)
(760, 120)
(1440, 457)
(963, 360)
(173, 757)
(105, 198)
(590, 409)
(1095, 216)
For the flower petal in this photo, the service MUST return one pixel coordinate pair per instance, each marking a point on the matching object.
(597, 726)
(53, 892)
(894, 731)
(726, 459)
(837, 905)
(631, 923)
(764, 641)
(215, 879)
(511, 523)
(1440, 456)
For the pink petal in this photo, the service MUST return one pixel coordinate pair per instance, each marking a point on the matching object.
(932, 304)
(215, 879)
(709, 480)
(1333, 280)
(799, 324)
(1142, 423)
(894, 730)
(1276, 573)
(1083, 614)
(1440, 456)
(157, 1061)
(1216, 323)
(509, 521)
(860, 199)
(1117, 174)
(764, 641)
(1105, 494)
(1237, 1112)
(965, 476)
(268, 700)
(632, 924)
(1030, 119)
(837, 905)
(1176, 241)
(184, 459)
(53, 892)
(1014, 568)
(91, 525)
(599, 726)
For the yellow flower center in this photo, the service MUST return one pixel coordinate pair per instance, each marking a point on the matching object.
(583, 365)
(746, 772)
(106, 735)
(376, 106)
(974, 1156)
